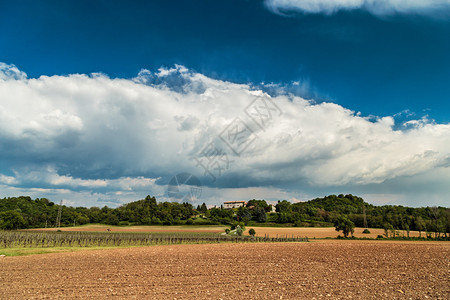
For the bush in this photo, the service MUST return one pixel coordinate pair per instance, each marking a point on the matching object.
(299, 224)
(124, 223)
(156, 221)
(366, 231)
(177, 221)
(236, 224)
(252, 232)
(227, 231)
(380, 236)
(200, 221)
(239, 230)
(189, 222)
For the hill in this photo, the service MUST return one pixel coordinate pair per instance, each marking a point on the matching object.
(24, 212)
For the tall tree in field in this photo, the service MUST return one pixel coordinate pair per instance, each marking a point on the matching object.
(344, 224)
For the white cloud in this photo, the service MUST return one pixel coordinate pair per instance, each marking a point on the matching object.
(10, 72)
(72, 197)
(119, 136)
(377, 7)
(7, 179)
(49, 175)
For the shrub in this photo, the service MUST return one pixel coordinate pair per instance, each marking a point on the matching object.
(239, 230)
(227, 231)
(366, 231)
(201, 221)
(298, 224)
(252, 232)
(189, 222)
(156, 221)
(236, 224)
(380, 236)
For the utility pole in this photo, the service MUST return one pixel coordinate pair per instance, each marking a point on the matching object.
(58, 218)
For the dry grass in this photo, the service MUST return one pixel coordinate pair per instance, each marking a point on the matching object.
(317, 232)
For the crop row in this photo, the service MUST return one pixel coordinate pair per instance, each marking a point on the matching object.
(12, 239)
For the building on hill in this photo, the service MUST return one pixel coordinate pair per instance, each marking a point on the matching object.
(233, 204)
(273, 208)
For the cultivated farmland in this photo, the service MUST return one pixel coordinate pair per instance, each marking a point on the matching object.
(330, 268)
(46, 239)
(153, 228)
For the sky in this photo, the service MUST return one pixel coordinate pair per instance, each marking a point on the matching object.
(105, 102)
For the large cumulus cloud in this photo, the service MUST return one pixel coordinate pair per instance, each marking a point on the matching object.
(378, 7)
(92, 132)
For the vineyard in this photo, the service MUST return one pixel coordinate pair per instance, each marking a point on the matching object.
(16, 239)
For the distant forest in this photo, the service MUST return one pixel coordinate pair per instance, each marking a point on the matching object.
(24, 212)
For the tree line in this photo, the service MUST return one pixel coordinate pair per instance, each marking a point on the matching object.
(24, 212)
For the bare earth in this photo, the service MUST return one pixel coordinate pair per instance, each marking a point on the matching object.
(331, 269)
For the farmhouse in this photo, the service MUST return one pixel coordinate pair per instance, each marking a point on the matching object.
(234, 204)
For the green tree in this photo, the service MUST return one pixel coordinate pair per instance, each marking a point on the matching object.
(252, 232)
(447, 222)
(344, 224)
(283, 206)
(284, 218)
(260, 214)
(111, 219)
(406, 227)
(259, 203)
(203, 208)
(151, 201)
(244, 214)
(11, 220)
(419, 224)
(435, 214)
(388, 227)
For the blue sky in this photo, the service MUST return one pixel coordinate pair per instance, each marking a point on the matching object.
(376, 69)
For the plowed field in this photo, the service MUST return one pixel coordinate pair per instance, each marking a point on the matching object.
(330, 269)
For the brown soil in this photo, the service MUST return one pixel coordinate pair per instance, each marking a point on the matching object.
(329, 269)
